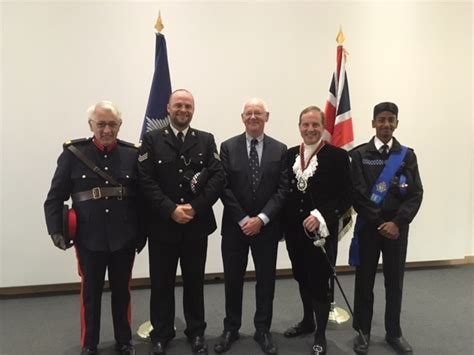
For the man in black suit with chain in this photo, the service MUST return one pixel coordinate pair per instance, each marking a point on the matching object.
(320, 194)
(253, 197)
(109, 231)
(181, 177)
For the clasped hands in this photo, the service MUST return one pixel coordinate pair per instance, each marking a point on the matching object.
(183, 213)
(252, 226)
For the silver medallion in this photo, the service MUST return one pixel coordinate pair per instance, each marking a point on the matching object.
(302, 184)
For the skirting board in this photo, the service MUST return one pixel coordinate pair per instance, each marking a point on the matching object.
(74, 287)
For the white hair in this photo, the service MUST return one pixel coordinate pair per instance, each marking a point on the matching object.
(106, 105)
(255, 100)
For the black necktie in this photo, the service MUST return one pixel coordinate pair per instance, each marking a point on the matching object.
(254, 165)
(180, 139)
(384, 152)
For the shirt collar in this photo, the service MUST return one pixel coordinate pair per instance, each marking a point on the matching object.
(378, 143)
(176, 131)
(103, 148)
(310, 148)
(250, 138)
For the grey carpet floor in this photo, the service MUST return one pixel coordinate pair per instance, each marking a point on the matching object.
(437, 318)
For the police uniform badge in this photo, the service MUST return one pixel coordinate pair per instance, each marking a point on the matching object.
(381, 186)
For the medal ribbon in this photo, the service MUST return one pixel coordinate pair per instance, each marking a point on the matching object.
(302, 163)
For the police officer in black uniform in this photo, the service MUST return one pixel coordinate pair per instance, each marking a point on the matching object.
(108, 228)
(320, 194)
(385, 228)
(181, 177)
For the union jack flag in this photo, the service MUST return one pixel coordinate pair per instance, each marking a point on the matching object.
(339, 130)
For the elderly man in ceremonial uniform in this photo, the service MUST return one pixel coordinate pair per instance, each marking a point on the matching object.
(256, 188)
(181, 177)
(387, 196)
(320, 194)
(105, 206)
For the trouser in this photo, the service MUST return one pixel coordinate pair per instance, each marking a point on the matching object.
(191, 252)
(92, 266)
(371, 244)
(235, 250)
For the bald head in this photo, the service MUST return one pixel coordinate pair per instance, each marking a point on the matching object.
(181, 108)
(254, 116)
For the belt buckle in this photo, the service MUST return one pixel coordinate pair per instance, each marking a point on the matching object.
(96, 193)
(120, 196)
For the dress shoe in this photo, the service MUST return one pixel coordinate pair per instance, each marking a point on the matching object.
(125, 349)
(299, 329)
(225, 341)
(399, 344)
(198, 345)
(158, 348)
(89, 351)
(319, 346)
(361, 347)
(264, 339)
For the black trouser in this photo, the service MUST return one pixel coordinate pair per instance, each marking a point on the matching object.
(371, 244)
(191, 251)
(313, 273)
(235, 250)
(92, 267)
(309, 265)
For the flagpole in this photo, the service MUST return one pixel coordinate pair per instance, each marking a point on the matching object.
(155, 116)
(338, 315)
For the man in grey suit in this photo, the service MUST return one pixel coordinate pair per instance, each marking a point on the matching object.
(253, 197)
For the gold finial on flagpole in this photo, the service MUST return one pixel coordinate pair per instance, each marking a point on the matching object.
(159, 23)
(340, 37)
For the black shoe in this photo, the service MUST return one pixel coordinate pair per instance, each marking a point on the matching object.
(264, 339)
(361, 347)
(319, 346)
(125, 349)
(158, 348)
(89, 351)
(225, 341)
(399, 344)
(198, 345)
(299, 329)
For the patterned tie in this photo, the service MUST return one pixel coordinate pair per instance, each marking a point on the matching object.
(384, 152)
(254, 165)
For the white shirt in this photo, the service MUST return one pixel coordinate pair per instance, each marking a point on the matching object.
(378, 143)
(176, 131)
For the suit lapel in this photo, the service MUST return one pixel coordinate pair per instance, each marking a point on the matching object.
(242, 155)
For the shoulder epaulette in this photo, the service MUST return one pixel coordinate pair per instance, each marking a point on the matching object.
(76, 141)
(128, 144)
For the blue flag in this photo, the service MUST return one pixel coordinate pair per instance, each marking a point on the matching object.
(156, 115)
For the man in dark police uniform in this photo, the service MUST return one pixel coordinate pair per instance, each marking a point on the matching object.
(181, 177)
(108, 229)
(387, 196)
(320, 194)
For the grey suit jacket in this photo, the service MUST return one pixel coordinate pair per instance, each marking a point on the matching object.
(237, 195)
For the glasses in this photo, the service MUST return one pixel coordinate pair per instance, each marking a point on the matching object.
(103, 124)
(257, 114)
